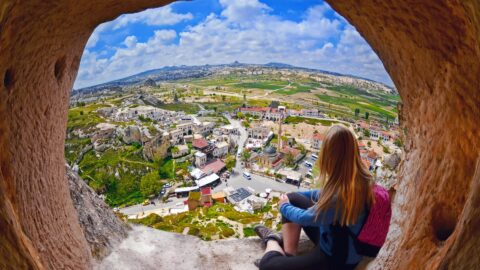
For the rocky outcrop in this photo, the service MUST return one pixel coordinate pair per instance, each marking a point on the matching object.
(101, 227)
(431, 49)
(132, 134)
(156, 148)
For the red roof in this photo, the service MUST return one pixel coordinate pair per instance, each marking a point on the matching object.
(200, 143)
(295, 152)
(319, 136)
(254, 109)
(207, 204)
(214, 166)
(206, 191)
(372, 154)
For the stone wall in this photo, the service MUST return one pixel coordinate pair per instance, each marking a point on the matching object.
(430, 48)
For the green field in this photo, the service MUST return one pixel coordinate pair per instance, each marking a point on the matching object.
(311, 121)
(188, 108)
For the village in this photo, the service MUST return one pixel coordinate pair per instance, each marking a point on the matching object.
(246, 160)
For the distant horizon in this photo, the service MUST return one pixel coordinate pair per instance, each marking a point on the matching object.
(261, 64)
(308, 34)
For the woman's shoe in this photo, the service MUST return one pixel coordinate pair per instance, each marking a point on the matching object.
(266, 234)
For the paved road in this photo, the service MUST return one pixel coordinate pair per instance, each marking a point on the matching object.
(258, 183)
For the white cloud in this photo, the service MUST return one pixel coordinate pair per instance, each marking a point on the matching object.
(155, 17)
(317, 41)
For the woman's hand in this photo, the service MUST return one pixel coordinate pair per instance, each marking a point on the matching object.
(283, 199)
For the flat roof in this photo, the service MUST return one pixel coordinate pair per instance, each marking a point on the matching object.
(186, 189)
(207, 180)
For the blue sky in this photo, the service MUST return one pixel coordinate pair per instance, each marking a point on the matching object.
(297, 32)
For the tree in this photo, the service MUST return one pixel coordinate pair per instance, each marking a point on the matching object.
(244, 97)
(150, 184)
(366, 115)
(223, 98)
(366, 133)
(175, 97)
(246, 155)
(240, 115)
(357, 111)
(230, 162)
(369, 144)
(302, 148)
(289, 160)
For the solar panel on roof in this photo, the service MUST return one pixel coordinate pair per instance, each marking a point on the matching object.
(240, 194)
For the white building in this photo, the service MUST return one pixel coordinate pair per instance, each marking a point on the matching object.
(176, 136)
(200, 159)
(258, 132)
(180, 150)
(186, 128)
(310, 112)
(317, 140)
(204, 127)
(221, 149)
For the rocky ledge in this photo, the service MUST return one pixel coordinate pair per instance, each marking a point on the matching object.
(101, 227)
(147, 248)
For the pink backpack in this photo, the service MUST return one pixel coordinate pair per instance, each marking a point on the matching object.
(375, 228)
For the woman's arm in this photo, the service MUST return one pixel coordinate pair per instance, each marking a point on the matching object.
(304, 217)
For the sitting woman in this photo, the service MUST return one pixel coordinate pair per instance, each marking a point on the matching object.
(329, 217)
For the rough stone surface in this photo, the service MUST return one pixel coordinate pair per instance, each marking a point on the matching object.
(101, 227)
(132, 134)
(431, 49)
(156, 148)
(147, 248)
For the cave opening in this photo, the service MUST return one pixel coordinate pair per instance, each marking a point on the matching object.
(436, 81)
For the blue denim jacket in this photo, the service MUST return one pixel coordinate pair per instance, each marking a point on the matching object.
(306, 218)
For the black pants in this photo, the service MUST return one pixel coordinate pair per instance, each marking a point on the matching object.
(314, 260)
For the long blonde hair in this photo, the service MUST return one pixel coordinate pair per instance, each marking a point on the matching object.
(343, 177)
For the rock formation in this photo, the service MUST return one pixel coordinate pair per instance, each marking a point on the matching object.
(101, 227)
(431, 49)
(132, 134)
(157, 147)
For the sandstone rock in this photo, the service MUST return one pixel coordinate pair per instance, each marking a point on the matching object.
(164, 250)
(156, 148)
(132, 134)
(392, 160)
(101, 227)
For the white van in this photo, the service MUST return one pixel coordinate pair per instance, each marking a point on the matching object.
(314, 157)
(247, 175)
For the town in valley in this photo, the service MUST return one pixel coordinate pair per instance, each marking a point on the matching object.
(207, 150)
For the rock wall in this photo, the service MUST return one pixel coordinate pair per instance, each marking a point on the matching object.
(430, 48)
(101, 227)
